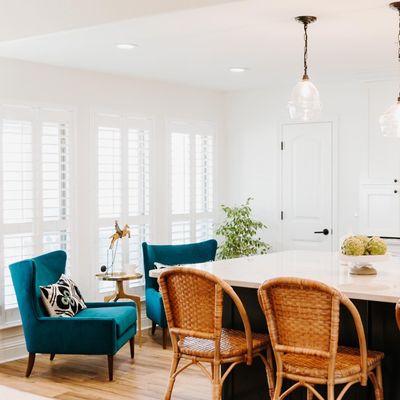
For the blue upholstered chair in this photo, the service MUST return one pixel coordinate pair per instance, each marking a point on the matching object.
(102, 328)
(170, 255)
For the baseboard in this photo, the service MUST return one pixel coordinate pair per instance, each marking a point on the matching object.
(12, 344)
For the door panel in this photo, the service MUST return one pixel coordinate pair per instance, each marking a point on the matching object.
(307, 185)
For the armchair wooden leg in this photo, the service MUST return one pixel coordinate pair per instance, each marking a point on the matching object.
(132, 347)
(153, 327)
(52, 356)
(110, 367)
(31, 362)
(164, 338)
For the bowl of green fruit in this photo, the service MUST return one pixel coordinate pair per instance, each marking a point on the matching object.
(360, 252)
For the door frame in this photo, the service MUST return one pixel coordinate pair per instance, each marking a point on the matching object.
(334, 200)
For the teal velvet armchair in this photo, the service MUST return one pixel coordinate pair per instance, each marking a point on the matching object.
(170, 255)
(101, 328)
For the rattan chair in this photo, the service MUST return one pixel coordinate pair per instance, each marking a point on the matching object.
(193, 302)
(303, 323)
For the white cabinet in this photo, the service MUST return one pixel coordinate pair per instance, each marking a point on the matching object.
(380, 209)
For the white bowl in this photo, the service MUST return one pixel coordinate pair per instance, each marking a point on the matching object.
(363, 260)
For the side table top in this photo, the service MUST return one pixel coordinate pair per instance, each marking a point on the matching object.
(119, 276)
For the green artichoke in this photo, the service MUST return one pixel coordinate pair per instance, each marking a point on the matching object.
(376, 246)
(364, 239)
(353, 246)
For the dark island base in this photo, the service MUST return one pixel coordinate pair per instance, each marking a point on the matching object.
(249, 383)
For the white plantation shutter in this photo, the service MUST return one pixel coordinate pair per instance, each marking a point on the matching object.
(17, 171)
(138, 172)
(16, 247)
(35, 196)
(110, 174)
(180, 173)
(180, 232)
(204, 173)
(55, 171)
(123, 186)
(192, 182)
(204, 229)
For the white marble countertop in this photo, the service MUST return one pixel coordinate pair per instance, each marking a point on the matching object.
(325, 267)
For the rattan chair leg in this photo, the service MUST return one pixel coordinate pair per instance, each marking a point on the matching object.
(311, 389)
(278, 387)
(290, 390)
(379, 378)
(345, 389)
(269, 370)
(378, 389)
(310, 394)
(172, 376)
(217, 383)
(330, 392)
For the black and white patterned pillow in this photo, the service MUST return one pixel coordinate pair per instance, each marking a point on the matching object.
(63, 298)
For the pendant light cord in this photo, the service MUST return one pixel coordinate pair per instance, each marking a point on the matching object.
(305, 76)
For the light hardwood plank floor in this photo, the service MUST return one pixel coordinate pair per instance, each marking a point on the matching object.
(85, 377)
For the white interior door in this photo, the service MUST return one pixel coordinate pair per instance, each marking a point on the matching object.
(307, 186)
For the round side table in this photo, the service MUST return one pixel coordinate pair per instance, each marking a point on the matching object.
(119, 278)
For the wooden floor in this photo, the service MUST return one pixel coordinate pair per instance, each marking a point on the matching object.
(85, 377)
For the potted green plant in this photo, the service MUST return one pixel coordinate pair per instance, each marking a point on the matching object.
(239, 232)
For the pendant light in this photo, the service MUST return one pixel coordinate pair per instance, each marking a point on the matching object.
(304, 103)
(390, 119)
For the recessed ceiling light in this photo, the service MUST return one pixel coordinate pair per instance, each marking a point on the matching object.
(126, 46)
(238, 69)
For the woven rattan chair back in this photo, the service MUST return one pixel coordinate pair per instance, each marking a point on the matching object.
(194, 303)
(303, 318)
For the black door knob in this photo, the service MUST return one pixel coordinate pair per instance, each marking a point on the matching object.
(324, 232)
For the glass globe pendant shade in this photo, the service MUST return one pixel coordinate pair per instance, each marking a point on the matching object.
(304, 103)
(390, 121)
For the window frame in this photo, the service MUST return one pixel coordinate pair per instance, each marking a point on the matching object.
(192, 128)
(37, 115)
(141, 220)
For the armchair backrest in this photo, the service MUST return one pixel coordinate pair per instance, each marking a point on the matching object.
(27, 276)
(192, 253)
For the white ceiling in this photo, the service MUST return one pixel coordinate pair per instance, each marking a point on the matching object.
(352, 39)
(24, 18)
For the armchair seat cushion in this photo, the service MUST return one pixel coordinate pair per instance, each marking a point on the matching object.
(124, 316)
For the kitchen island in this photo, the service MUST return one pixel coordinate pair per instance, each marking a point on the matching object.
(374, 296)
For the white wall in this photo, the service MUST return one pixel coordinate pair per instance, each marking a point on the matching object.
(38, 84)
(253, 119)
